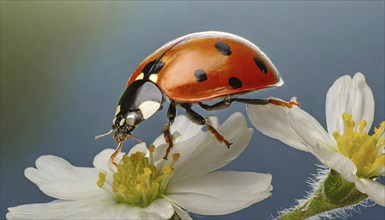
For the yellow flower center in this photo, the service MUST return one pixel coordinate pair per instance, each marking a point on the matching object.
(138, 181)
(364, 150)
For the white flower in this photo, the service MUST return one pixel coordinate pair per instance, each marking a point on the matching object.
(346, 147)
(188, 180)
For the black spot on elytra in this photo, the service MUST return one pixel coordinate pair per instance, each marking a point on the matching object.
(153, 67)
(261, 65)
(200, 75)
(223, 48)
(235, 82)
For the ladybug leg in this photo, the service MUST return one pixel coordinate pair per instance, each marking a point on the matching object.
(227, 102)
(289, 104)
(217, 106)
(111, 161)
(171, 113)
(200, 120)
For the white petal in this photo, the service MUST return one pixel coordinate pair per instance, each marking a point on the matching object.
(184, 126)
(204, 154)
(159, 141)
(337, 101)
(183, 130)
(309, 130)
(141, 147)
(336, 161)
(61, 209)
(184, 148)
(351, 96)
(363, 107)
(100, 207)
(281, 123)
(181, 213)
(220, 193)
(375, 190)
(226, 185)
(59, 179)
(158, 209)
(273, 121)
(101, 160)
(213, 121)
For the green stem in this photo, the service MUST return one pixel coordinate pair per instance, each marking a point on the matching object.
(334, 192)
(313, 206)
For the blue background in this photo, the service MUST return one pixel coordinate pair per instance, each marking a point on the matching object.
(64, 65)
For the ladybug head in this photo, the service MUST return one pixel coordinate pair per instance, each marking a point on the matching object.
(122, 125)
(140, 100)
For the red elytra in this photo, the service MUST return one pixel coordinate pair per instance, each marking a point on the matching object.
(231, 64)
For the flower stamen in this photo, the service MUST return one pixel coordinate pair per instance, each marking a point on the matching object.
(151, 150)
(138, 181)
(360, 147)
(102, 179)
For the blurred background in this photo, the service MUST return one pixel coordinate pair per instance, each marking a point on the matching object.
(64, 65)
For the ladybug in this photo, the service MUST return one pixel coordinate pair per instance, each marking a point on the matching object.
(190, 70)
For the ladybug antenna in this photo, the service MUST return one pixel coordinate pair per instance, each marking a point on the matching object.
(102, 135)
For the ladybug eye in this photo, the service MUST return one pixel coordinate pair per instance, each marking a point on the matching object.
(131, 119)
